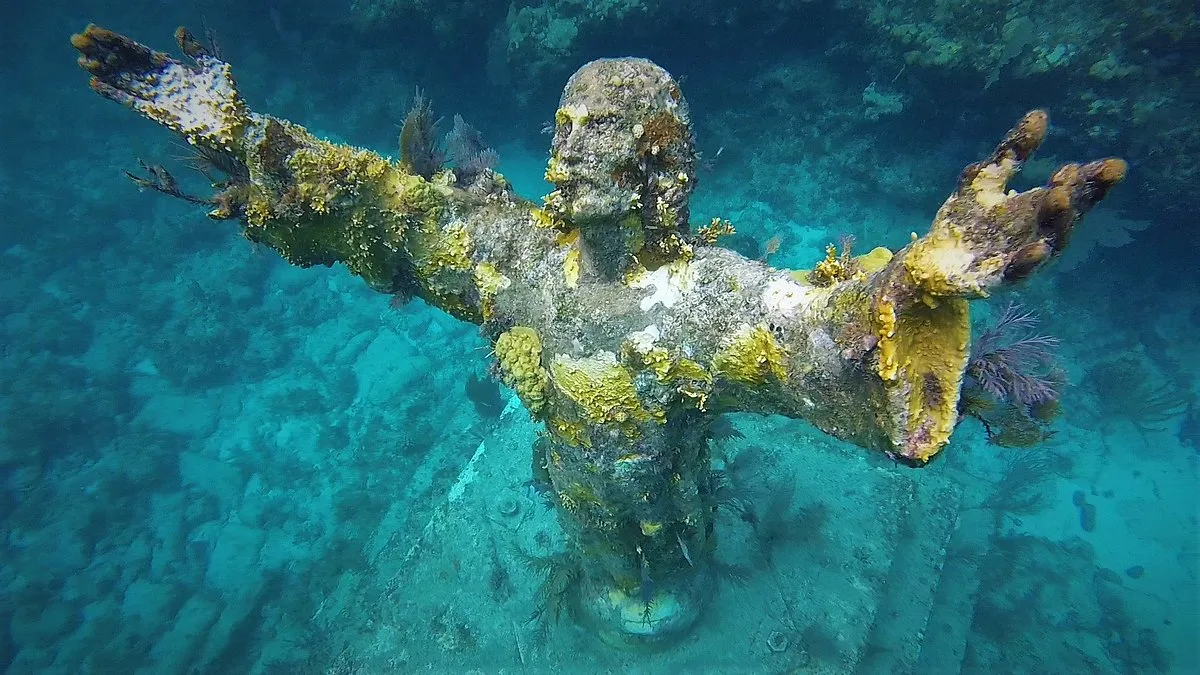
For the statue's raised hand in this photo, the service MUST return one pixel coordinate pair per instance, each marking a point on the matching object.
(200, 101)
(984, 234)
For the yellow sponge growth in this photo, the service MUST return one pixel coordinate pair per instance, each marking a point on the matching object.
(451, 249)
(694, 382)
(489, 282)
(571, 263)
(833, 269)
(602, 389)
(570, 431)
(676, 369)
(545, 219)
(752, 357)
(555, 172)
(885, 318)
(519, 351)
(923, 353)
(874, 260)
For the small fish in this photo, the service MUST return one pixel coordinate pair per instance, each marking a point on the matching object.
(684, 549)
(277, 21)
(770, 248)
(1189, 430)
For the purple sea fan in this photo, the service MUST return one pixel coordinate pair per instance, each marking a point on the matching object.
(1012, 363)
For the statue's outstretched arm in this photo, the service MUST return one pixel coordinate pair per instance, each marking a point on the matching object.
(315, 202)
(904, 318)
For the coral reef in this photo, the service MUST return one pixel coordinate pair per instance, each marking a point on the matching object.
(1125, 388)
(1032, 586)
(1125, 66)
(1119, 72)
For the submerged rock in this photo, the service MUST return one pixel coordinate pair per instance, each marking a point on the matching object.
(1087, 517)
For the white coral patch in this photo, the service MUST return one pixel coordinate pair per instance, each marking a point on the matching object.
(670, 282)
(644, 340)
(990, 182)
(785, 297)
(197, 103)
(950, 256)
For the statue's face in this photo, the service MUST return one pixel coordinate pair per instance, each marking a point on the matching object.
(622, 139)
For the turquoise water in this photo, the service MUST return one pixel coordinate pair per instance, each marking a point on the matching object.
(212, 462)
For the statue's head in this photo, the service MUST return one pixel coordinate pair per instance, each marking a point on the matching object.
(623, 158)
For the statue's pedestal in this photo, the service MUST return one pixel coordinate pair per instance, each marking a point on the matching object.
(850, 587)
(639, 623)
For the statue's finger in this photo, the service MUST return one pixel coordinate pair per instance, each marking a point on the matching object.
(1072, 191)
(108, 56)
(111, 93)
(189, 45)
(1096, 179)
(1023, 139)
(987, 181)
(1026, 260)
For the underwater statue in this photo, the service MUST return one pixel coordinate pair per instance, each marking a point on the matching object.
(619, 327)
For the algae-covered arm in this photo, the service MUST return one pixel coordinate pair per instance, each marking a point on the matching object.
(319, 203)
(873, 349)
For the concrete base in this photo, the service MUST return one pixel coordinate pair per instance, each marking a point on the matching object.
(630, 622)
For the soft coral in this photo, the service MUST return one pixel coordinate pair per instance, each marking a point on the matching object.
(1013, 364)
(1013, 383)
